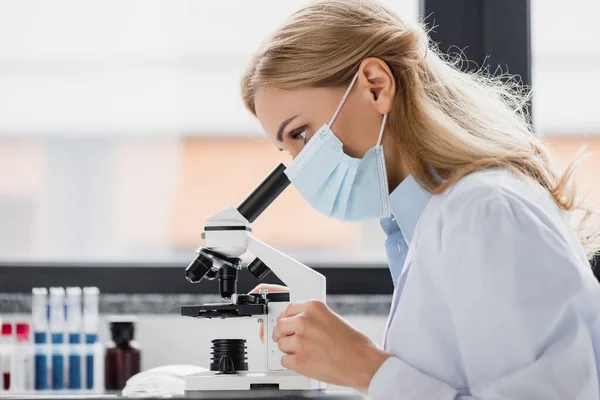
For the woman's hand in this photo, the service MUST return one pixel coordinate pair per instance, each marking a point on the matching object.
(272, 289)
(321, 345)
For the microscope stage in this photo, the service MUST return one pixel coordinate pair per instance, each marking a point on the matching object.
(224, 310)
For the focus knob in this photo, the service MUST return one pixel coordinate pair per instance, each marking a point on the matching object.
(226, 365)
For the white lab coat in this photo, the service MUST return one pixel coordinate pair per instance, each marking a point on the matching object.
(496, 300)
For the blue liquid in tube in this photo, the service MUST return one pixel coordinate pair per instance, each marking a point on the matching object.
(40, 362)
(58, 378)
(74, 361)
(90, 340)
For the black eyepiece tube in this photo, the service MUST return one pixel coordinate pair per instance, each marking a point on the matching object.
(264, 194)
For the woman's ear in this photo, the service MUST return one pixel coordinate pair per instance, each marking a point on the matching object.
(375, 77)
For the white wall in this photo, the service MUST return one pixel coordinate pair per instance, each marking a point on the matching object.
(566, 66)
(173, 68)
(128, 66)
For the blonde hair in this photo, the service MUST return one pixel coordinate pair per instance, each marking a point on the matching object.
(455, 121)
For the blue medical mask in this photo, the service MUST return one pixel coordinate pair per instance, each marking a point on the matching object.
(337, 185)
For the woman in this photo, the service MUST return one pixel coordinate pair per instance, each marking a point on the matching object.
(494, 296)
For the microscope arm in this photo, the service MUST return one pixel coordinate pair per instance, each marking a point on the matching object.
(304, 283)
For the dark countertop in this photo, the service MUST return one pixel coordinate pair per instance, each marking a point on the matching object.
(19, 303)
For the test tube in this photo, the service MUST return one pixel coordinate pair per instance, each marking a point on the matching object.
(93, 360)
(39, 314)
(24, 358)
(57, 329)
(6, 357)
(74, 330)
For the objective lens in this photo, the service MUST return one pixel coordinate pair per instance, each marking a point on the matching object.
(227, 281)
(198, 268)
(211, 274)
(258, 269)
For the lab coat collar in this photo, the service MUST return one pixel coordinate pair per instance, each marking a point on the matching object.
(407, 203)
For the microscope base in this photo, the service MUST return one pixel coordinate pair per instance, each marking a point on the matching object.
(248, 384)
(254, 394)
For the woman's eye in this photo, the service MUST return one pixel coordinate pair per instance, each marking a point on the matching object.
(299, 135)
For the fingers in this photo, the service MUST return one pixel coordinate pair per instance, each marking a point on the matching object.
(261, 332)
(296, 318)
(310, 307)
(293, 309)
(289, 326)
(291, 362)
(289, 344)
(270, 287)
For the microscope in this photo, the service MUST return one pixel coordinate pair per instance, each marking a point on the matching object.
(228, 235)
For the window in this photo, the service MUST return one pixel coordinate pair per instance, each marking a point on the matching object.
(566, 79)
(122, 130)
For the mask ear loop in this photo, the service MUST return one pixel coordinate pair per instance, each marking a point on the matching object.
(339, 108)
(381, 130)
(335, 114)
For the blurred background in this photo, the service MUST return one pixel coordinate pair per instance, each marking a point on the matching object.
(122, 128)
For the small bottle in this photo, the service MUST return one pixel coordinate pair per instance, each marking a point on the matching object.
(57, 331)
(6, 356)
(74, 330)
(39, 314)
(24, 359)
(123, 354)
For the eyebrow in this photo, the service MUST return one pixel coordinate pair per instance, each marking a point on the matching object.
(282, 127)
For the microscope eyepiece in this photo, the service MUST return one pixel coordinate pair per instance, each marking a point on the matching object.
(264, 194)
